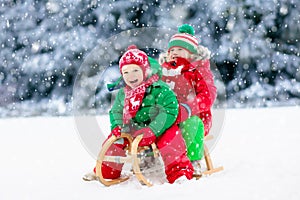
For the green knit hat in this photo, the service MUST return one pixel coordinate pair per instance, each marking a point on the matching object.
(184, 38)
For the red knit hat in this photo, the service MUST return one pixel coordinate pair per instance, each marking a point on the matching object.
(135, 56)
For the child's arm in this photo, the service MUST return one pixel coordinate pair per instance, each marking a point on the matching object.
(203, 101)
(206, 73)
(203, 95)
(166, 109)
(167, 105)
(116, 112)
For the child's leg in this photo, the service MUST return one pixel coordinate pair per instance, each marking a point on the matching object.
(111, 170)
(173, 151)
(193, 133)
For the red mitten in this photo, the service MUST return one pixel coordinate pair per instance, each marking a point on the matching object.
(183, 114)
(183, 62)
(116, 132)
(148, 136)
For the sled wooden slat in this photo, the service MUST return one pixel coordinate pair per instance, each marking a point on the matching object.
(155, 150)
(208, 137)
(214, 170)
(136, 166)
(118, 159)
(209, 165)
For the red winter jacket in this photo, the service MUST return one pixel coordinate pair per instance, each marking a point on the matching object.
(194, 85)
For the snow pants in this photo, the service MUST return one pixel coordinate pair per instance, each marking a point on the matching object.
(172, 150)
(193, 133)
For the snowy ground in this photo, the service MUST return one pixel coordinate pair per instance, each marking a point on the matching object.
(43, 158)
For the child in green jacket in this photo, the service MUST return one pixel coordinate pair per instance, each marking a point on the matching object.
(146, 105)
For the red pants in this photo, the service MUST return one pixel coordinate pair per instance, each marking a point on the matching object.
(172, 149)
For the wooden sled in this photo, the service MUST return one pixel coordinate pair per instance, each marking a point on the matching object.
(132, 157)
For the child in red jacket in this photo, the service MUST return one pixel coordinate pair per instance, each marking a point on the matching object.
(186, 69)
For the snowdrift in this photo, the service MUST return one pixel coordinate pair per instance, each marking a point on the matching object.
(43, 158)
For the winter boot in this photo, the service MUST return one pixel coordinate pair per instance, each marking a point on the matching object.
(173, 152)
(91, 176)
(197, 167)
(179, 170)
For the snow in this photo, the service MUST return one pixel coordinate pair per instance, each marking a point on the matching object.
(44, 158)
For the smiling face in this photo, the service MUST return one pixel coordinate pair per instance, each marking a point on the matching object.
(176, 52)
(132, 75)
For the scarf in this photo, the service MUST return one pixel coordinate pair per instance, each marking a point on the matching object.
(134, 97)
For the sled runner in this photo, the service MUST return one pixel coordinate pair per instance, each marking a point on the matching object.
(210, 169)
(131, 157)
(133, 152)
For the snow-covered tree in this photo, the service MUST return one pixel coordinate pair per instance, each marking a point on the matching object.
(255, 45)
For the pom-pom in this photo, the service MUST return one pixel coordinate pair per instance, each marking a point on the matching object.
(186, 28)
(131, 47)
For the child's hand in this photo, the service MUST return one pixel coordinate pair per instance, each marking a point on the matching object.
(148, 136)
(184, 113)
(116, 132)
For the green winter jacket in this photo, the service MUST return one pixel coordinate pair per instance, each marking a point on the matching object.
(158, 110)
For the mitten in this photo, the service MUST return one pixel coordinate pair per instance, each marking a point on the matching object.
(116, 132)
(148, 136)
(184, 113)
(183, 62)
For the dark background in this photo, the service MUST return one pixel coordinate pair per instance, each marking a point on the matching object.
(254, 44)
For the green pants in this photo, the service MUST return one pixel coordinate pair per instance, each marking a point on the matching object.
(193, 133)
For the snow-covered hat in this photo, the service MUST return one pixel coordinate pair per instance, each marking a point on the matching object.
(135, 56)
(184, 38)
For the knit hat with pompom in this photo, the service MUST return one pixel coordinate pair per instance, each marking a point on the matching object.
(184, 38)
(132, 56)
(135, 56)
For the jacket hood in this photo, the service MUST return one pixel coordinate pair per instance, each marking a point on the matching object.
(202, 54)
(155, 67)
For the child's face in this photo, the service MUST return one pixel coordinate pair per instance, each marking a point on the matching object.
(176, 52)
(132, 75)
